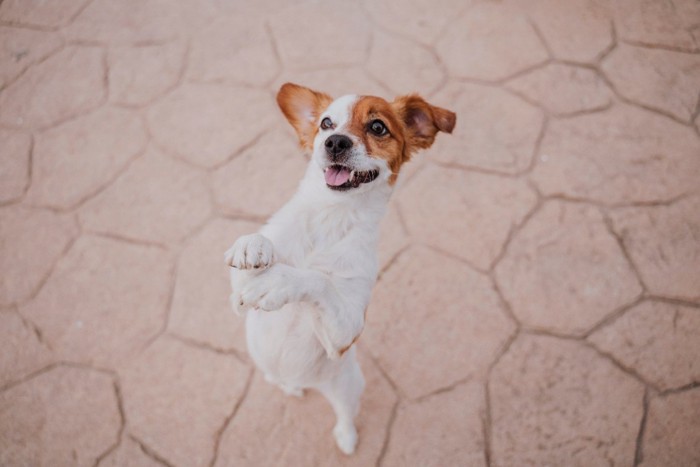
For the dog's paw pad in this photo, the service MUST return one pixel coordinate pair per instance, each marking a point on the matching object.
(251, 252)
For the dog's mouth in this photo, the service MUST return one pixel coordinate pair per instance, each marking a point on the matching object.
(339, 177)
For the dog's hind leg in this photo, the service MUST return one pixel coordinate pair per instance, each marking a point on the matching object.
(287, 389)
(343, 392)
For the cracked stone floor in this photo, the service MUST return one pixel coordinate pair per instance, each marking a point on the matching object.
(539, 300)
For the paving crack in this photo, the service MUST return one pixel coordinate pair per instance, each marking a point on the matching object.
(129, 240)
(523, 97)
(387, 435)
(505, 348)
(607, 356)
(168, 304)
(105, 71)
(38, 333)
(370, 40)
(385, 375)
(613, 316)
(613, 44)
(404, 180)
(639, 448)
(443, 70)
(49, 55)
(696, 112)
(174, 155)
(640, 105)
(122, 422)
(514, 230)
(542, 331)
(594, 110)
(673, 300)
(487, 424)
(685, 387)
(254, 218)
(78, 13)
(31, 27)
(668, 48)
(29, 376)
(524, 71)
(541, 37)
(626, 204)
(45, 278)
(182, 72)
(457, 258)
(403, 225)
(458, 15)
(82, 112)
(609, 225)
(230, 417)
(143, 106)
(479, 170)
(256, 139)
(107, 184)
(624, 368)
(538, 146)
(210, 348)
(30, 166)
(275, 53)
(507, 307)
(150, 452)
(86, 43)
(52, 366)
(442, 390)
(476, 81)
(391, 262)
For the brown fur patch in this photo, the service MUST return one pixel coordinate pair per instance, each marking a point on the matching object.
(422, 120)
(412, 125)
(302, 107)
(389, 147)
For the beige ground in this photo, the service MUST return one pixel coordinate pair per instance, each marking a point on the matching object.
(539, 302)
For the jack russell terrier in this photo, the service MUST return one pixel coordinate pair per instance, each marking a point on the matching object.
(304, 281)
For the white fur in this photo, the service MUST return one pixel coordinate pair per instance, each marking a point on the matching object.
(305, 280)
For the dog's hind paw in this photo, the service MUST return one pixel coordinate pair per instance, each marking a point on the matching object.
(345, 437)
(253, 251)
(292, 391)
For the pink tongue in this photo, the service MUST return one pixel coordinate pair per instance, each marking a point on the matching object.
(336, 176)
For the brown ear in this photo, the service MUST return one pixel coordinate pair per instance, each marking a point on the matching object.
(422, 120)
(302, 107)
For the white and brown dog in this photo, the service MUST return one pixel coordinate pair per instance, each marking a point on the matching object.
(305, 279)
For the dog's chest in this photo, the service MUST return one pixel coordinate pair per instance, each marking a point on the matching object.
(329, 240)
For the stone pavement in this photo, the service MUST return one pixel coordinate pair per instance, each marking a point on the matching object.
(539, 301)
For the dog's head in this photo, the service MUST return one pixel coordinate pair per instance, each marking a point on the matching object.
(360, 141)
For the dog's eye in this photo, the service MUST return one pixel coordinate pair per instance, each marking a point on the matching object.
(326, 124)
(378, 128)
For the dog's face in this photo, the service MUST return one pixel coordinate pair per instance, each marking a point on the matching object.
(361, 141)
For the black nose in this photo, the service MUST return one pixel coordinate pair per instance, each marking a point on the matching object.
(337, 145)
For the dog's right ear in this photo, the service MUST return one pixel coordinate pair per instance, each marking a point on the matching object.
(302, 107)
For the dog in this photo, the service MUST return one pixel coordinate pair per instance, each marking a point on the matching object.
(304, 280)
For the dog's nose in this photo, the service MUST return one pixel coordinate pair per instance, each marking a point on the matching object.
(337, 145)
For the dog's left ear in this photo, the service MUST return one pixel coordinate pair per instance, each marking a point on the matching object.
(422, 121)
(302, 107)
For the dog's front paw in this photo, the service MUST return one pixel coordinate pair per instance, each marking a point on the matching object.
(253, 251)
(268, 291)
(237, 304)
